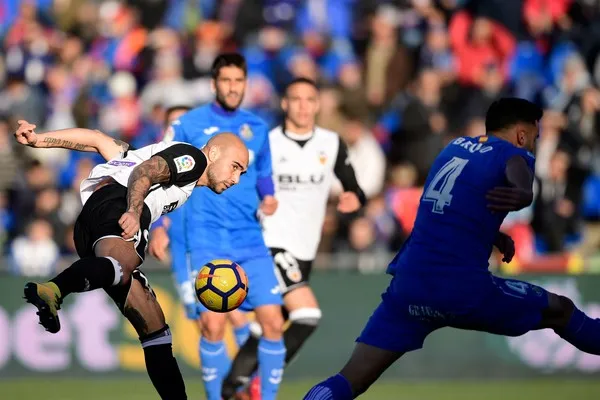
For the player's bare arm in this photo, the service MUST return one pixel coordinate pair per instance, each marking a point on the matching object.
(150, 172)
(79, 139)
(517, 196)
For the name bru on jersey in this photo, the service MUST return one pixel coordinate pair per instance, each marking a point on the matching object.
(472, 146)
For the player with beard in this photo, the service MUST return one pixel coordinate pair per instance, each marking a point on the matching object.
(121, 198)
(211, 227)
(306, 159)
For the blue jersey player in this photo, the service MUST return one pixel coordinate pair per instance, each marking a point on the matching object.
(441, 278)
(210, 228)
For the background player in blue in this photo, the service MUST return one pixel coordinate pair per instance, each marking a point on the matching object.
(440, 276)
(210, 228)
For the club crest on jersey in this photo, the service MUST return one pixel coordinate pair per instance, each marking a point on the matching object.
(184, 163)
(322, 158)
(246, 132)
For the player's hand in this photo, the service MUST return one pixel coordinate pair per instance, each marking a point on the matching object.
(25, 134)
(506, 246)
(269, 205)
(130, 223)
(192, 311)
(348, 202)
(159, 242)
(508, 198)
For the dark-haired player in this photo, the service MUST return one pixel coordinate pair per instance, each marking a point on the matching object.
(211, 227)
(306, 159)
(440, 276)
(121, 198)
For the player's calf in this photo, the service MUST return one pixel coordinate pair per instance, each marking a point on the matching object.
(213, 354)
(271, 349)
(572, 324)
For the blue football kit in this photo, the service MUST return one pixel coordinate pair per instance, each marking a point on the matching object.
(440, 276)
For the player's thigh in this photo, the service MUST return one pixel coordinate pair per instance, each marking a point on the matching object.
(301, 297)
(263, 287)
(366, 365)
(392, 328)
(506, 307)
(271, 320)
(237, 318)
(137, 301)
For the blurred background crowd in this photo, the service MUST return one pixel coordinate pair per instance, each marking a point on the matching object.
(399, 79)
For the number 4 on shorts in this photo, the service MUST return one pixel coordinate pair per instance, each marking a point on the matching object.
(518, 286)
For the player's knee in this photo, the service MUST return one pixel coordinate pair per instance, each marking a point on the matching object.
(272, 327)
(559, 312)
(156, 338)
(212, 326)
(306, 316)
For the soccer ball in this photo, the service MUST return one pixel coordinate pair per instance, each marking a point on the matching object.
(221, 285)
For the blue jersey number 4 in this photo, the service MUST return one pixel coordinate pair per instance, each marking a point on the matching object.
(439, 190)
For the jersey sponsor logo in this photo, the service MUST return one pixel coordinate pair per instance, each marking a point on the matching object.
(322, 157)
(211, 130)
(285, 179)
(246, 132)
(184, 163)
(170, 207)
(120, 163)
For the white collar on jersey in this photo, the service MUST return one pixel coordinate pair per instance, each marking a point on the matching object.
(302, 137)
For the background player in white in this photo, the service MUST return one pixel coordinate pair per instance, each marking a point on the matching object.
(121, 198)
(306, 159)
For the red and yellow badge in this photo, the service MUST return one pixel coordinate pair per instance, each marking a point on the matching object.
(322, 158)
(246, 133)
(483, 139)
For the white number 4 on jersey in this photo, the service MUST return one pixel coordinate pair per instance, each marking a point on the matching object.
(439, 190)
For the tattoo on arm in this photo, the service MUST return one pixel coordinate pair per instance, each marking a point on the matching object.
(124, 146)
(66, 144)
(152, 171)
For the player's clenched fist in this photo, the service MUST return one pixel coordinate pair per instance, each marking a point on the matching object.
(268, 205)
(130, 223)
(25, 133)
(159, 242)
(348, 203)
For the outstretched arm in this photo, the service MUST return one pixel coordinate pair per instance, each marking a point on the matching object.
(152, 171)
(79, 139)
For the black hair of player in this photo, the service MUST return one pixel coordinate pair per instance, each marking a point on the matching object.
(228, 60)
(299, 80)
(172, 109)
(509, 111)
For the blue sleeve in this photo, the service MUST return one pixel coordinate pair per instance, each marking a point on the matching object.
(179, 257)
(264, 166)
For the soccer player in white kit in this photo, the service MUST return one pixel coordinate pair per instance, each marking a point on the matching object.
(121, 199)
(305, 158)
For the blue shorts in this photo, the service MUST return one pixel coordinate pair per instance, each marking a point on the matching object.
(263, 287)
(414, 306)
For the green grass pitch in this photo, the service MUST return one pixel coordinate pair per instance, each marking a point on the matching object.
(138, 389)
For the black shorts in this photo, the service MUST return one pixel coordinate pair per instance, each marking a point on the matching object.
(290, 271)
(99, 219)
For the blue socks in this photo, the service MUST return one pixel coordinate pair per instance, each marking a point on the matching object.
(241, 334)
(583, 332)
(271, 359)
(334, 388)
(215, 365)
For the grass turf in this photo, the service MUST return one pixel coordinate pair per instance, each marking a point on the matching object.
(138, 389)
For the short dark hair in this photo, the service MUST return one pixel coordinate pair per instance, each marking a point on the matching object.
(508, 111)
(296, 81)
(172, 109)
(228, 60)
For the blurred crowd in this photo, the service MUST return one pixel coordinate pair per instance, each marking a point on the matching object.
(399, 79)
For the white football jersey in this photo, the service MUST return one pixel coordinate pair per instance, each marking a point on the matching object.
(186, 162)
(303, 173)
